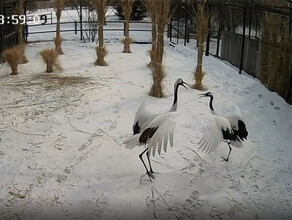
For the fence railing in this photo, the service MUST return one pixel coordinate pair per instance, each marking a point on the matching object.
(89, 26)
(231, 44)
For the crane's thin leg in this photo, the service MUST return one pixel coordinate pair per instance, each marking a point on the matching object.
(228, 153)
(150, 175)
(151, 171)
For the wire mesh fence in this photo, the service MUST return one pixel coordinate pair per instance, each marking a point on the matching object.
(237, 34)
(8, 36)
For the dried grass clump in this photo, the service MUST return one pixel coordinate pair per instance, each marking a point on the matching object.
(153, 57)
(157, 87)
(58, 42)
(127, 11)
(127, 42)
(202, 30)
(22, 47)
(50, 58)
(199, 75)
(101, 52)
(13, 57)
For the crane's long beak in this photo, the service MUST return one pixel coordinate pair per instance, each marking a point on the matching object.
(184, 83)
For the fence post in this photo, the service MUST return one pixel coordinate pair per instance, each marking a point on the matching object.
(218, 33)
(243, 40)
(124, 28)
(178, 26)
(290, 22)
(186, 24)
(250, 14)
(81, 28)
(170, 31)
(209, 30)
(75, 22)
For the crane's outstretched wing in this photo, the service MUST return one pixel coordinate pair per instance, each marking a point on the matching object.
(141, 117)
(214, 134)
(155, 133)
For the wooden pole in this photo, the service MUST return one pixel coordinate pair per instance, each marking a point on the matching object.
(243, 41)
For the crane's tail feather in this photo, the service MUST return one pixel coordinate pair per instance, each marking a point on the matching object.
(131, 141)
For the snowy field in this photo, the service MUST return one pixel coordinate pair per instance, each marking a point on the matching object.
(61, 135)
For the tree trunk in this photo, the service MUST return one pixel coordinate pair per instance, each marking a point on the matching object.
(199, 74)
(14, 69)
(127, 40)
(158, 73)
(100, 49)
(58, 39)
(20, 10)
(154, 44)
(202, 30)
(49, 67)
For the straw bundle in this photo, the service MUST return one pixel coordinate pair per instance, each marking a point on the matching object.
(101, 52)
(50, 58)
(13, 57)
(58, 42)
(202, 30)
(151, 10)
(59, 6)
(127, 10)
(161, 10)
(100, 6)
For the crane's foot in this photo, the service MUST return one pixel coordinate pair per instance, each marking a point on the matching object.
(151, 171)
(224, 159)
(150, 175)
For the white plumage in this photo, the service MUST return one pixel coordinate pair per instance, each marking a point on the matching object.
(164, 126)
(213, 135)
(143, 115)
(232, 129)
(154, 130)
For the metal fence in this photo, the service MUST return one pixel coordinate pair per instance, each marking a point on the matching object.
(8, 36)
(236, 36)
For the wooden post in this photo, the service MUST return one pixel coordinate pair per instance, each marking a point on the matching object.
(243, 41)
(218, 33)
(178, 26)
(209, 28)
(250, 13)
(186, 24)
(81, 27)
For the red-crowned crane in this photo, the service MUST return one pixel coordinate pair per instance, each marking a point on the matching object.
(155, 133)
(143, 117)
(231, 129)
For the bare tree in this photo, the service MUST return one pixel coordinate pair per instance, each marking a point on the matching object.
(101, 7)
(59, 7)
(127, 10)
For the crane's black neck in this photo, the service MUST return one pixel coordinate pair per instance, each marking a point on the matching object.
(174, 105)
(211, 103)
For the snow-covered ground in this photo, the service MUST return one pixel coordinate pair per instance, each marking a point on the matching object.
(61, 134)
